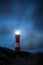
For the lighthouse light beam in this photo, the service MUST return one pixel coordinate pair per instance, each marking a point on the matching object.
(17, 32)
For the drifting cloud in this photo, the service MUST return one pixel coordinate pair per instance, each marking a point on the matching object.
(27, 16)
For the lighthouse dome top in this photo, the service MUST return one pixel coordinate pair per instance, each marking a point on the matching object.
(17, 32)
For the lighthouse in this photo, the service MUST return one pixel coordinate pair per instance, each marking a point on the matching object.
(17, 41)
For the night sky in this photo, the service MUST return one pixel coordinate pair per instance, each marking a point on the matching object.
(25, 16)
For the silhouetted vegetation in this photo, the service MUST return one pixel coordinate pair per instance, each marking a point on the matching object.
(10, 57)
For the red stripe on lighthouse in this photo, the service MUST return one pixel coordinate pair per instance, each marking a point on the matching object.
(17, 39)
(17, 44)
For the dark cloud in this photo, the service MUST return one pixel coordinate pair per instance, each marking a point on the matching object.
(25, 10)
(5, 7)
(25, 15)
(38, 16)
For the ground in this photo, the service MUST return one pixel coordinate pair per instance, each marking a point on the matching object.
(9, 57)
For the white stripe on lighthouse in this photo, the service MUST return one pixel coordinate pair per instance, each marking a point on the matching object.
(17, 45)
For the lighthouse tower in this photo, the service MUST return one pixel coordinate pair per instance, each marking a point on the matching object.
(17, 41)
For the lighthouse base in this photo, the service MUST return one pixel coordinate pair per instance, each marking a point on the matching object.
(17, 49)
